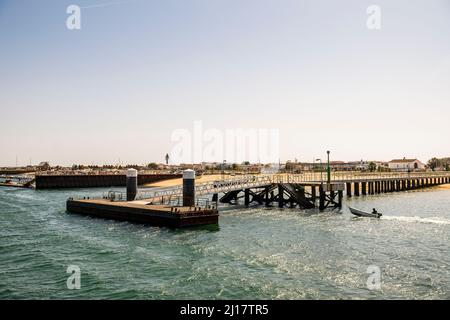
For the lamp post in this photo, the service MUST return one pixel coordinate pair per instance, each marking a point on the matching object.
(328, 167)
(321, 170)
(223, 168)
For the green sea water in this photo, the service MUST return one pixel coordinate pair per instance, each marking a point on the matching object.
(256, 253)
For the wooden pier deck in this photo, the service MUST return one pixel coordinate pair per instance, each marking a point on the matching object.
(141, 212)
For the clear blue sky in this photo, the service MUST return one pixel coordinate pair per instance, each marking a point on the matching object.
(138, 70)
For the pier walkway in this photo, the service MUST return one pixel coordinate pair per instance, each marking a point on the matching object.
(169, 206)
(301, 189)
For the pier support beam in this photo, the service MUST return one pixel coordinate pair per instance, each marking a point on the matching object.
(364, 188)
(247, 197)
(340, 196)
(266, 196)
(321, 198)
(356, 189)
(371, 187)
(280, 197)
(132, 184)
(348, 188)
(189, 188)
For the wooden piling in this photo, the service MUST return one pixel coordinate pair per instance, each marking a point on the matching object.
(356, 189)
(321, 198)
(280, 196)
(313, 193)
(340, 196)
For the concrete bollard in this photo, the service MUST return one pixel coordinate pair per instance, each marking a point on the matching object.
(132, 184)
(188, 188)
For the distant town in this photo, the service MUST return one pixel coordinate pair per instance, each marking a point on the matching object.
(394, 165)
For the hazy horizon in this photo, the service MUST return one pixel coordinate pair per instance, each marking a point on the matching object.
(137, 71)
(121, 163)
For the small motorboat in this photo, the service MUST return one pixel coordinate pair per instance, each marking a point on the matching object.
(359, 213)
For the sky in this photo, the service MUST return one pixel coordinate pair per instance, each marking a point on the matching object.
(116, 90)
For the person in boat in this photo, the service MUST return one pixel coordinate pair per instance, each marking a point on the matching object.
(374, 211)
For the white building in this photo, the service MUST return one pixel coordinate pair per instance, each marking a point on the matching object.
(406, 165)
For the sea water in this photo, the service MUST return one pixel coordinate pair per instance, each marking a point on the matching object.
(255, 253)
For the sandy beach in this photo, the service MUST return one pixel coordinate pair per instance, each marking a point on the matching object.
(177, 182)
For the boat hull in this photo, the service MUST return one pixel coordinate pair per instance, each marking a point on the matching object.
(360, 213)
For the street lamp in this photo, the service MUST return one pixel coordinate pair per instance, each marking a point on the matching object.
(328, 167)
(321, 170)
(223, 169)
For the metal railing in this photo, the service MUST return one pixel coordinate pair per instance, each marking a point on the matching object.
(254, 181)
(178, 202)
(344, 176)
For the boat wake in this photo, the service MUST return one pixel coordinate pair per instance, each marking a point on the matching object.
(435, 220)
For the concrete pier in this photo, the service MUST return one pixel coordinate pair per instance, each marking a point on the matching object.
(259, 190)
(140, 212)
